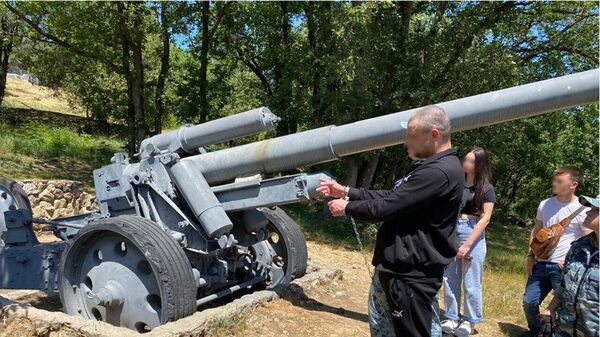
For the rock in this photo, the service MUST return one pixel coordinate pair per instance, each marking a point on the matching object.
(30, 188)
(33, 200)
(47, 209)
(58, 193)
(46, 196)
(60, 203)
(58, 198)
(76, 189)
(69, 210)
(38, 212)
(51, 187)
(68, 186)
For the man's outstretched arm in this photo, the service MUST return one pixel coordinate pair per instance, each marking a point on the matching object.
(415, 193)
(366, 194)
(330, 188)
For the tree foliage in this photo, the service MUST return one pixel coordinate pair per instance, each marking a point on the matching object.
(153, 65)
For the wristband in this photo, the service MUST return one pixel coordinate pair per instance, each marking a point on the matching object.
(346, 191)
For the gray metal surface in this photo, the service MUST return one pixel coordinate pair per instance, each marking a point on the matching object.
(228, 291)
(190, 138)
(116, 283)
(7, 202)
(201, 199)
(30, 266)
(278, 191)
(331, 142)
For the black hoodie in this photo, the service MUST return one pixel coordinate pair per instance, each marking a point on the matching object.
(419, 216)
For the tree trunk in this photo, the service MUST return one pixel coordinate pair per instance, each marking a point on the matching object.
(164, 69)
(203, 93)
(369, 171)
(6, 49)
(311, 26)
(352, 176)
(289, 124)
(390, 178)
(135, 80)
(323, 81)
(6, 45)
(125, 60)
(138, 81)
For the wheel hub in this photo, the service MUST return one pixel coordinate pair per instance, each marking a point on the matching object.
(115, 283)
(110, 296)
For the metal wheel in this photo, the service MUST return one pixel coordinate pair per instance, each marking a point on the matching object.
(128, 272)
(12, 197)
(285, 246)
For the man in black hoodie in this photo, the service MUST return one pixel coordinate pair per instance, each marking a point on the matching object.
(417, 238)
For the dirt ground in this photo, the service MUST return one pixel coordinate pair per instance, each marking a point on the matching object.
(337, 310)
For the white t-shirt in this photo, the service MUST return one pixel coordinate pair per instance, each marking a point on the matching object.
(550, 212)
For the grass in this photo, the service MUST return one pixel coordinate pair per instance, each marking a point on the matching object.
(338, 232)
(46, 152)
(232, 326)
(43, 137)
(22, 94)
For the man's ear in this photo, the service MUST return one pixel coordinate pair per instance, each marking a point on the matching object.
(436, 133)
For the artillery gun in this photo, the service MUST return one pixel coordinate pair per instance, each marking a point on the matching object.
(181, 227)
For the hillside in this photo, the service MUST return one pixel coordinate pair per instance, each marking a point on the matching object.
(42, 137)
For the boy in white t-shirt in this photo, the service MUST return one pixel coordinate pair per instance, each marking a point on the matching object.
(544, 275)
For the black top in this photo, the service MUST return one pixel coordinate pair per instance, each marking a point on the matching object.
(467, 207)
(419, 216)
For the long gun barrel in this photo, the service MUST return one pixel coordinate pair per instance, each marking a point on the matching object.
(331, 142)
(189, 138)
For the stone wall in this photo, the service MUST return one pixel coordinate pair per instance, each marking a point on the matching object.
(58, 198)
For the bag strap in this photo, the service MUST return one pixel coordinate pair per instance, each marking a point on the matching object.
(566, 221)
(550, 246)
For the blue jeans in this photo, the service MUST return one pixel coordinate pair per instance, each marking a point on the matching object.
(545, 277)
(380, 316)
(466, 276)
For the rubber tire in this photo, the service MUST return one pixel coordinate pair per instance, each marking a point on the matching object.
(20, 197)
(168, 260)
(295, 243)
(17, 191)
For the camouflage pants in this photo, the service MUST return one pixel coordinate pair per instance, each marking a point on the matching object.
(380, 318)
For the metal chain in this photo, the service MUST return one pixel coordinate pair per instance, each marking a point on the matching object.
(362, 249)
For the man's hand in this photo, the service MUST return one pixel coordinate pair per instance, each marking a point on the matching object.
(330, 188)
(530, 264)
(337, 207)
(463, 251)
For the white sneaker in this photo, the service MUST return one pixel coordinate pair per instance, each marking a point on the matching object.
(448, 326)
(464, 329)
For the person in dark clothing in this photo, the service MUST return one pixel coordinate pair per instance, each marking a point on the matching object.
(465, 273)
(417, 238)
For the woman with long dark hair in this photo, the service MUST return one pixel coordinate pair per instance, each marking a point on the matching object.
(466, 271)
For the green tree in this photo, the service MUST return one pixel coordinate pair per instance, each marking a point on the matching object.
(9, 38)
(110, 34)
